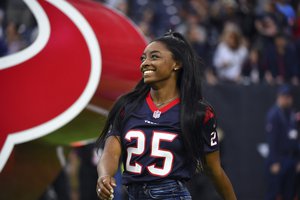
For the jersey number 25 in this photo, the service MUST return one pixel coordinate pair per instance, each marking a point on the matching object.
(156, 152)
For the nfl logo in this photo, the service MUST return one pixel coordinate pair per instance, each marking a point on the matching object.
(156, 114)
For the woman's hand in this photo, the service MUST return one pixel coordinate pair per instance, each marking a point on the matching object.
(275, 168)
(105, 187)
(107, 167)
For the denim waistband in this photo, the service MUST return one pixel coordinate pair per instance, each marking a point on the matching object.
(165, 189)
(155, 183)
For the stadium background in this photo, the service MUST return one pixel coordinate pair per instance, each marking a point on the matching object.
(240, 106)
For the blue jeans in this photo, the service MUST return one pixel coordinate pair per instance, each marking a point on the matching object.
(166, 190)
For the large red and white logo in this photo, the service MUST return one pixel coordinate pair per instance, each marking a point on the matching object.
(46, 85)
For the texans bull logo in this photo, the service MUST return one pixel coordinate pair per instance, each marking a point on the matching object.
(85, 55)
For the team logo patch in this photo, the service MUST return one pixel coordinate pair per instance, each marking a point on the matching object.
(156, 114)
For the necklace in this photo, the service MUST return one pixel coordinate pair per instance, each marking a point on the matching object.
(167, 101)
(157, 113)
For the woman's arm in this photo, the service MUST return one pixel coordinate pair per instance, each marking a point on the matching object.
(218, 176)
(107, 167)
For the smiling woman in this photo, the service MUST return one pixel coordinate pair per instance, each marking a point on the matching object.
(159, 67)
(162, 135)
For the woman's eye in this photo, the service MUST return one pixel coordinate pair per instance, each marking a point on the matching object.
(143, 58)
(154, 57)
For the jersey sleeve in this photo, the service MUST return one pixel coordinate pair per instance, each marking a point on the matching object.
(113, 132)
(211, 142)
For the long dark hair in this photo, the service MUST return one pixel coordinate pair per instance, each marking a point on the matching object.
(192, 104)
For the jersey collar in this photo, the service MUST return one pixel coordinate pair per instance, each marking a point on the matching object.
(163, 109)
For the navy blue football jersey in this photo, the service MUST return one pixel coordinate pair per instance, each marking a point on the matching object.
(152, 145)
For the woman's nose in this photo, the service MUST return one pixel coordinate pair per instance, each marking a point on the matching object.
(145, 63)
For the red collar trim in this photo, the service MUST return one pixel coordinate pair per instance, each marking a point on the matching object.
(163, 109)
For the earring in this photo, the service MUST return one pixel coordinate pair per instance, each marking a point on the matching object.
(175, 69)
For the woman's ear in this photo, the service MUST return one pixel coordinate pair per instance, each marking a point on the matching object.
(177, 66)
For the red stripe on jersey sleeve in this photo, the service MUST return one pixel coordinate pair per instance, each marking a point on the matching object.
(208, 115)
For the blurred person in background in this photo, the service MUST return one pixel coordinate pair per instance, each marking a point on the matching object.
(296, 34)
(283, 140)
(246, 18)
(19, 13)
(141, 10)
(146, 30)
(166, 16)
(296, 28)
(2, 15)
(268, 22)
(14, 39)
(228, 12)
(252, 71)
(280, 61)
(287, 10)
(197, 36)
(145, 24)
(222, 12)
(230, 54)
(3, 45)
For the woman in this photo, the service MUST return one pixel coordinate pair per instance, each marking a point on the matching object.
(163, 130)
(230, 54)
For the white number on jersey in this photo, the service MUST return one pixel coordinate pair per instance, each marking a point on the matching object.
(138, 150)
(156, 152)
(213, 139)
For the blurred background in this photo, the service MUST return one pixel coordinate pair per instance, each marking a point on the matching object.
(249, 47)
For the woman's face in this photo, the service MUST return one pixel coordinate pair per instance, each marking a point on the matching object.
(158, 65)
(232, 40)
